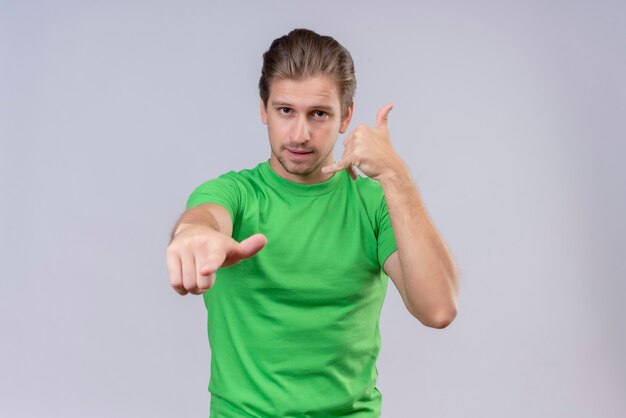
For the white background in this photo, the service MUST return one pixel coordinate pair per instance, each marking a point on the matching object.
(511, 116)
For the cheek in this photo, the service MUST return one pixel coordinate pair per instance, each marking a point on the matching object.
(328, 131)
(279, 125)
(321, 128)
(276, 130)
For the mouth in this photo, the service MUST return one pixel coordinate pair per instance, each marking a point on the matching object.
(295, 153)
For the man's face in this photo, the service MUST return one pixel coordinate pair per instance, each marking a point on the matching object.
(304, 119)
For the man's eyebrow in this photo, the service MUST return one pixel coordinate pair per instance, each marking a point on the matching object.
(281, 104)
(323, 107)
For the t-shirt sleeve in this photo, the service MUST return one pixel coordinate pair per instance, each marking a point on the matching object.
(386, 239)
(223, 190)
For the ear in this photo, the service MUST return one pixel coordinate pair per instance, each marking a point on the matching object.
(345, 121)
(263, 113)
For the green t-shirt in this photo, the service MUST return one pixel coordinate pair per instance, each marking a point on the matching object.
(294, 330)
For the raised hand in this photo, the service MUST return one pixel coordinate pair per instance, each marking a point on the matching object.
(369, 149)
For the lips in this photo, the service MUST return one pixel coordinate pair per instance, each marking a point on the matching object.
(298, 152)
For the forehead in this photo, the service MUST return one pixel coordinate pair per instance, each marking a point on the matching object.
(309, 92)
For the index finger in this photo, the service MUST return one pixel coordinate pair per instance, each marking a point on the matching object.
(338, 166)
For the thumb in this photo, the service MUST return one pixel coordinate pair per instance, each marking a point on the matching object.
(383, 115)
(246, 248)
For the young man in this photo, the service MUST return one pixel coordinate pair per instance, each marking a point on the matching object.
(292, 256)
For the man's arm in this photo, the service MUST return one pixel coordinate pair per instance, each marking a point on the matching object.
(200, 244)
(422, 268)
(211, 215)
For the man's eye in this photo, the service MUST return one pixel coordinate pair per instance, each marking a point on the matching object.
(284, 110)
(320, 114)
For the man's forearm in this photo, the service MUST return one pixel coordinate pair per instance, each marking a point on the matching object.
(428, 271)
(195, 216)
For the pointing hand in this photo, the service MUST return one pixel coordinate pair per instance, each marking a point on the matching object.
(197, 252)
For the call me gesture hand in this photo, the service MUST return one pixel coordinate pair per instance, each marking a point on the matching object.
(422, 267)
(370, 150)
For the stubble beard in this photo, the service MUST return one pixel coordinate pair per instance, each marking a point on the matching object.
(300, 169)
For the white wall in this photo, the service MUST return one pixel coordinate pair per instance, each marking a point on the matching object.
(510, 114)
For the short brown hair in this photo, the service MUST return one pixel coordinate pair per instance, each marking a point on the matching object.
(303, 53)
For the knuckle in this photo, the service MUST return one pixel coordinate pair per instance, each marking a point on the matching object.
(215, 256)
(206, 282)
(206, 286)
(190, 286)
(175, 280)
(200, 240)
(186, 245)
(179, 289)
(171, 249)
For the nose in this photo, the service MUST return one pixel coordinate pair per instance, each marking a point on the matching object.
(301, 131)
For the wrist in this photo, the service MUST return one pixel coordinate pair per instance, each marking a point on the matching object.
(398, 175)
(180, 228)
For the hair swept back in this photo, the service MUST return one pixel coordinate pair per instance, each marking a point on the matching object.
(303, 53)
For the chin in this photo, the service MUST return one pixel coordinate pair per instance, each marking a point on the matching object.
(299, 169)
